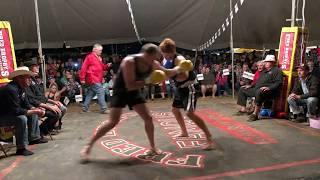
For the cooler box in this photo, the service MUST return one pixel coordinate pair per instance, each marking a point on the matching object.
(315, 122)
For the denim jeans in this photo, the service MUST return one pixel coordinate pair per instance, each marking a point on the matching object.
(311, 103)
(22, 133)
(95, 89)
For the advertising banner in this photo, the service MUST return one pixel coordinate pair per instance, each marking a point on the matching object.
(7, 55)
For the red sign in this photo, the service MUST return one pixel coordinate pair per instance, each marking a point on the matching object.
(286, 49)
(6, 60)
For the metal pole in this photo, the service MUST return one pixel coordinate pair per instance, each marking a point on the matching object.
(232, 51)
(42, 61)
(293, 13)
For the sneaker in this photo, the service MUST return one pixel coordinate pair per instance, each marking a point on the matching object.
(105, 112)
(240, 113)
(253, 117)
(24, 152)
(300, 118)
(38, 141)
(84, 111)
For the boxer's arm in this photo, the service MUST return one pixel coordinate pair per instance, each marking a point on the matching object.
(169, 72)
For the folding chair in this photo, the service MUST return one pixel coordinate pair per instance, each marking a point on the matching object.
(49, 133)
(2, 148)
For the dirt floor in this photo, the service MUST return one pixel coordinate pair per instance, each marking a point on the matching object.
(266, 149)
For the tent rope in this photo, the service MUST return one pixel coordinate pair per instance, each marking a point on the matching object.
(234, 10)
(133, 21)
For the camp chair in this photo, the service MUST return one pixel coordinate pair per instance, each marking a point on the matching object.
(6, 132)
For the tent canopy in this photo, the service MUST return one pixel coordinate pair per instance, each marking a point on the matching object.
(189, 22)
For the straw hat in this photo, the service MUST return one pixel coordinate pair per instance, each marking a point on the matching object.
(31, 62)
(20, 71)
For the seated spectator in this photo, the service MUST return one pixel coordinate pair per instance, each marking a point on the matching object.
(230, 78)
(73, 88)
(53, 93)
(107, 85)
(55, 110)
(315, 71)
(168, 87)
(209, 82)
(304, 93)
(153, 90)
(260, 68)
(266, 87)
(51, 80)
(16, 111)
(222, 84)
(244, 81)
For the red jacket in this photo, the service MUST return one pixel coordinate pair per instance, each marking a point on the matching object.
(92, 69)
(256, 77)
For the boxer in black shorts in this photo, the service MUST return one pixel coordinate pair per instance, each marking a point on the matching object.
(185, 95)
(129, 81)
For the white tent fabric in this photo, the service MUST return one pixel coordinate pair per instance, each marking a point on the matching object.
(189, 22)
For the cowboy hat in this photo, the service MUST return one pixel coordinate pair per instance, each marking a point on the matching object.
(31, 62)
(303, 67)
(20, 71)
(270, 58)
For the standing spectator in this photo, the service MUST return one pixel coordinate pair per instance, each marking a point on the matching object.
(115, 63)
(91, 74)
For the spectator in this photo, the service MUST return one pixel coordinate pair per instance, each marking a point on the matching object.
(115, 63)
(73, 88)
(244, 81)
(53, 93)
(304, 93)
(208, 82)
(266, 87)
(54, 109)
(315, 71)
(15, 110)
(108, 85)
(92, 74)
(222, 83)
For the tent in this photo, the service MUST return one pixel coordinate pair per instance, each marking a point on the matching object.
(191, 23)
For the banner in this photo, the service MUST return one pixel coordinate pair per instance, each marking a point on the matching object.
(7, 55)
(286, 50)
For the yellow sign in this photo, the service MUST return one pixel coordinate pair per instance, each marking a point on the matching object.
(7, 54)
(289, 57)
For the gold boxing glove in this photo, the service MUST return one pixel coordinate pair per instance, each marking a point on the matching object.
(185, 66)
(156, 77)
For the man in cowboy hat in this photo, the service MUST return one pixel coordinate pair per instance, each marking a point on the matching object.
(266, 87)
(304, 93)
(55, 110)
(15, 110)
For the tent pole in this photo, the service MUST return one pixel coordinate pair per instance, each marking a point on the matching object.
(293, 13)
(42, 61)
(232, 51)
